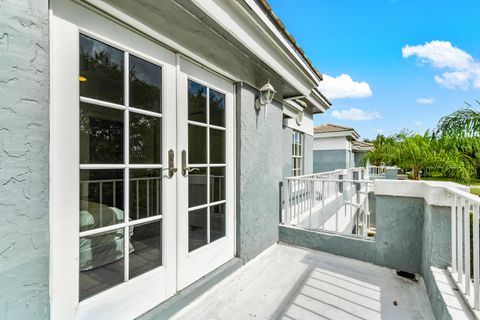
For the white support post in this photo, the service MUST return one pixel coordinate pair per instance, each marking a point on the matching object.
(287, 202)
(454, 234)
(467, 246)
(460, 240)
(476, 258)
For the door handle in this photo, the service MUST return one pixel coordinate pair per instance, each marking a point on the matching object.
(171, 163)
(186, 170)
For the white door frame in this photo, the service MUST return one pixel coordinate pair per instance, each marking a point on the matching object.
(138, 295)
(191, 266)
(132, 298)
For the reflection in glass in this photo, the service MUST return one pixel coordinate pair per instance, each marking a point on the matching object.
(197, 144)
(101, 71)
(197, 229)
(145, 139)
(197, 102)
(101, 134)
(217, 146)
(217, 222)
(145, 193)
(145, 85)
(101, 198)
(197, 187)
(217, 108)
(217, 184)
(146, 251)
(101, 262)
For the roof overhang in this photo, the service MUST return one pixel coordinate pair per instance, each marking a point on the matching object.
(215, 33)
(351, 134)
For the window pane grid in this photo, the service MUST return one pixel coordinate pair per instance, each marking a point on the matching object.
(297, 153)
(201, 114)
(147, 105)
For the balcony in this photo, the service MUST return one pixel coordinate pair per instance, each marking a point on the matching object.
(355, 245)
(288, 282)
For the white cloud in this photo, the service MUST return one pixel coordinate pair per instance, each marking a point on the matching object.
(343, 86)
(440, 54)
(454, 80)
(418, 123)
(462, 71)
(425, 100)
(380, 130)
(355, 114)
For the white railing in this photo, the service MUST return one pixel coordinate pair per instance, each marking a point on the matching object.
(333, 201)
(140, 198)
(465, 235)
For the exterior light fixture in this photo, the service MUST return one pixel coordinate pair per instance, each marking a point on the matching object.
(266, 96)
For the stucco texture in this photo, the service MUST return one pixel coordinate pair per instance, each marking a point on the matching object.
(24, 136)
(259, 173)
(329, 160)
(308, 155)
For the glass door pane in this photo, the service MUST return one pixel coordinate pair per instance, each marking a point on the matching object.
(206, 158)
(121, 166)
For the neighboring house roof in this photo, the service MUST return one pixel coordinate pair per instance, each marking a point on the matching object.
(328, 127)
(335, 130)
(361, 146)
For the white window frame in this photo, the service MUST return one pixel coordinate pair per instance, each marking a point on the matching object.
(298, 150)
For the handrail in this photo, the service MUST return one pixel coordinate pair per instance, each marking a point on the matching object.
(465, 222)
(331, 201)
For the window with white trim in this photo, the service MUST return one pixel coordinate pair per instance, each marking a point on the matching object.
(120, 166)
(297, 153)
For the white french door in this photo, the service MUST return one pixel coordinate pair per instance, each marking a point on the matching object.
(142, 167)
(205, 204)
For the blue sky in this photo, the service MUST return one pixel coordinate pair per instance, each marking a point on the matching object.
(392, 53)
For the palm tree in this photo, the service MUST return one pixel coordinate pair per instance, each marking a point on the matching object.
(426, 152)
(463, 122)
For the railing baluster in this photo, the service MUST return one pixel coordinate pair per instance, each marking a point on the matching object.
(138, 199)
(466, 220)
(287, 202)
(460, 240)
(148, 198)
(114, 194)
(158, 195)
(454, 234)
(476, 258)
(310, 187)
(101, 203)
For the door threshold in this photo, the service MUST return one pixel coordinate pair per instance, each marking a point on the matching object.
(183, 298)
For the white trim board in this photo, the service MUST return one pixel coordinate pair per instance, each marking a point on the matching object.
(433, 192)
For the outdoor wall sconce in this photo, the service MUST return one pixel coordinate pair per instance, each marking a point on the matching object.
(266, 96)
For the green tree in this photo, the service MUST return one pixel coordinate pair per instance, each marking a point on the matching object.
(463, 122)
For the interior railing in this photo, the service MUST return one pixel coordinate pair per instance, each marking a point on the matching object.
(335, 201)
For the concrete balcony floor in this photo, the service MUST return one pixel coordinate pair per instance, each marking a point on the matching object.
(286, 282)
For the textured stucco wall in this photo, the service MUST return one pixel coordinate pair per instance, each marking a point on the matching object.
(436, 248)
(259, 173)
(329, 160)
(358, 156)
(24, 136)
(399, 238)
(308, 155)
